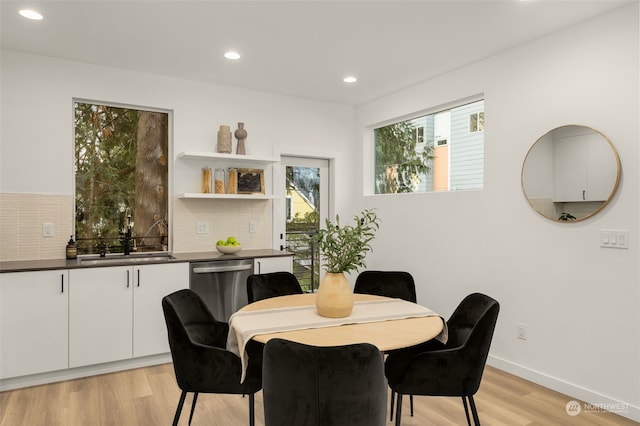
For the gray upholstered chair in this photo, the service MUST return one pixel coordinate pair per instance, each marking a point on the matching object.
(323, 386)
(273, 284)
(200, 359)
(451, 369)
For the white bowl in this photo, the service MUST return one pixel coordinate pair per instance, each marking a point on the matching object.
(228, 249)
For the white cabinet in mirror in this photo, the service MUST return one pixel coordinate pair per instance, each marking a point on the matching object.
(570, 173)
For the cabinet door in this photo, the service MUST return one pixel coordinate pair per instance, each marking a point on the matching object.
(264, 265)
(152, 283)
(33, 322)
(100, 315)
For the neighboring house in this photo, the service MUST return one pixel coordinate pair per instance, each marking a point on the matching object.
(457, 136)
(298, 204)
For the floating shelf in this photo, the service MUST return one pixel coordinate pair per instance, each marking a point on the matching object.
(226, 196)
(234, 158)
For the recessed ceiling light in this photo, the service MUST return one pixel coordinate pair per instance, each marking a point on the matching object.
(350, 79)
(232, 55)
(30, 14)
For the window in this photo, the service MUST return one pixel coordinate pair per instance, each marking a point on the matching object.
(450, 157)
(121, 178)
(476, 122)
(420, 134)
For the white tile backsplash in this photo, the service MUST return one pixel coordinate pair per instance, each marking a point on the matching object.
(22, 216)
(21, 219)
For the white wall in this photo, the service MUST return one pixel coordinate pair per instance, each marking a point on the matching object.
(581, 303)
(37, 146)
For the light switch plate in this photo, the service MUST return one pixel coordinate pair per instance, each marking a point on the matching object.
(202, 227)
(47, 229)
(614, 238)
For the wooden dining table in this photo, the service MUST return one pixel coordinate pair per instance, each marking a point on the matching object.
(386, 335)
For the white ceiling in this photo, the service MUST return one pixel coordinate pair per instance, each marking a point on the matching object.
(300, 48)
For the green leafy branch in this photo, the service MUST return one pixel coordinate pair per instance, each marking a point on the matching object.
(344, 248)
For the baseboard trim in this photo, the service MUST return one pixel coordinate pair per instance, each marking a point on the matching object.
(595, 400)
(78, 372)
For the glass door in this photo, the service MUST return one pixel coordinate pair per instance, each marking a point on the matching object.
(305, 185)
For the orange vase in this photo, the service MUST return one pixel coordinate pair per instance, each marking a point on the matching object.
(334, 298)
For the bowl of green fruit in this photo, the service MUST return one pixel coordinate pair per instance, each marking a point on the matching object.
(228, 246)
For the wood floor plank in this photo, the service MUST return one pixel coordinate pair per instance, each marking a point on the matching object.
(148, 397)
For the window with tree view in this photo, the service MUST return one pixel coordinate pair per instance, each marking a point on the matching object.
(442, 151)
(121, 179)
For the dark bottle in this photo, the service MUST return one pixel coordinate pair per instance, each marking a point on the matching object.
(72, 249)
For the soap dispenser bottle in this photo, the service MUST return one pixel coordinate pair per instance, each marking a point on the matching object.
(72, 249)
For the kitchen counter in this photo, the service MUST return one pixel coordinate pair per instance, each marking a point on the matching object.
(51, 264)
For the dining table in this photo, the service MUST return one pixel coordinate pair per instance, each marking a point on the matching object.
(384, 322)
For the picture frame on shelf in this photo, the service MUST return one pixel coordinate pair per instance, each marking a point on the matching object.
(246, 181)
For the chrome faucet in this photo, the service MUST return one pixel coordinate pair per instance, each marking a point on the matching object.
(127, 233)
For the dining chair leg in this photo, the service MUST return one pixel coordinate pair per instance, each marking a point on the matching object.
(411, 404)
(398, 409)
(193, 406)
(176, 417)
(393, 400)
(252, 410)
(466, 410)
(474, 411)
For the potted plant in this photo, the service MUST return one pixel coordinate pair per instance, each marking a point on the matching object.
(343, 249)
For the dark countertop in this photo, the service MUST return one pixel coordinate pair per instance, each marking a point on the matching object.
(49, 264)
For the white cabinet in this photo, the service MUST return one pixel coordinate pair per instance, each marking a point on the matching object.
(264, 265)
(152, 283)
(33, 322)
(583, 168)
(116, 312)
(230, 160)
(100, 315)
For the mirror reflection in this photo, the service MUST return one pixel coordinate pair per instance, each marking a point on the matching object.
(570, 173)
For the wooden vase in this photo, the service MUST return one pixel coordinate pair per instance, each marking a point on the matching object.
(334, 298)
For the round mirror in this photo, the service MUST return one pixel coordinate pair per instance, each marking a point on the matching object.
(570, 173)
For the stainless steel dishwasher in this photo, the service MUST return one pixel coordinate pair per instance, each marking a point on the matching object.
(222, 284)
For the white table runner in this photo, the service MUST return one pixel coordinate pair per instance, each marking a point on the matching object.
(244, 325)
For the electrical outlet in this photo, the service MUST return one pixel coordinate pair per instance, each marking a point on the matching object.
(202, 227)
(522, 331)
(252, 226)
(47, 229)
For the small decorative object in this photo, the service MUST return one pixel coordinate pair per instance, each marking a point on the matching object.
(218, 181)
(241, 135)
(343, 249)
(206, 180)
(232, 181)
(247, 181)
(224, 139)
(566, 216)
(72, 249)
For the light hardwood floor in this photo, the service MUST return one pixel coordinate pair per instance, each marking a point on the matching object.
(148, 396)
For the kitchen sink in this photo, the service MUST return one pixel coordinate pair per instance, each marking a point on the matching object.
(121, 259)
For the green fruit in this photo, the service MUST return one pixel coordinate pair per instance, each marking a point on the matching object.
(231, 240)
(220, 243)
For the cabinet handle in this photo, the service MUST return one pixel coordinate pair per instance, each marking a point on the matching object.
(584, 195)
(127, 279)
(62, 283)
(259, 269)
(138, 277)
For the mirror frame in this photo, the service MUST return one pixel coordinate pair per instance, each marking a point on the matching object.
(604, 203)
